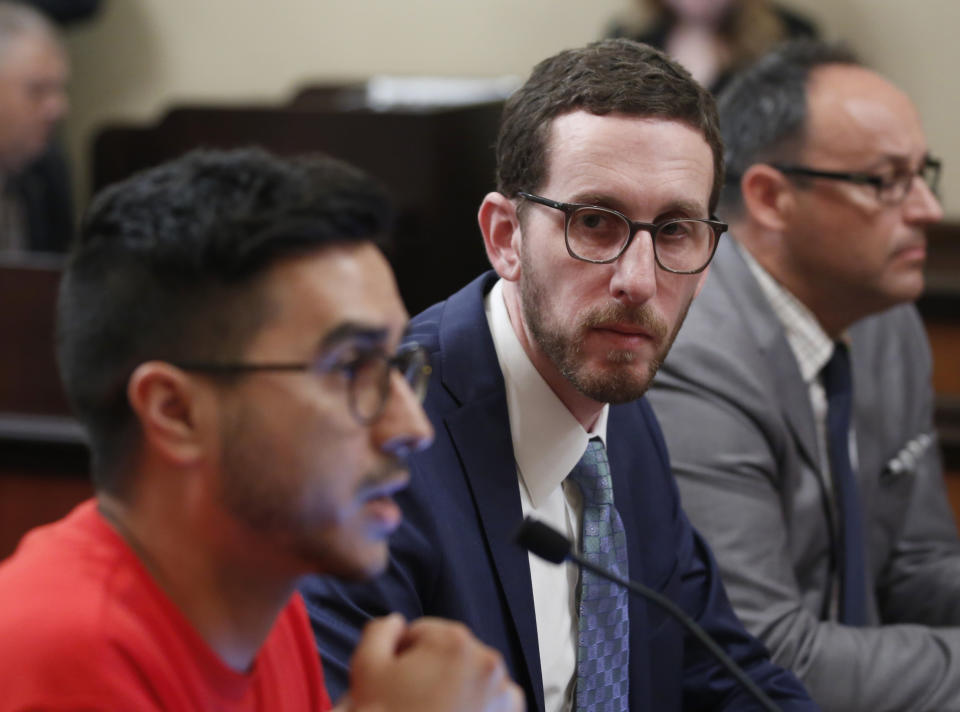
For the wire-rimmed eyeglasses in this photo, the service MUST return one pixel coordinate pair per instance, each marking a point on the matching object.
(601, 235)
(368, 375)
(890, 189)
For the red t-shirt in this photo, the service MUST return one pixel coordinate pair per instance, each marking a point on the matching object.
(83, 626)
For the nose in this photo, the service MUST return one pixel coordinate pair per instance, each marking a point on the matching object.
(403, 427)
(57, 105)
(634, 278)
(921, 206)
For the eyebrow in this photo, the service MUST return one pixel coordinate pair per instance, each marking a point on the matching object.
(354, 331)
(897, 160)
(688, 207)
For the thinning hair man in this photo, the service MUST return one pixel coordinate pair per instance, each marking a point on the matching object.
(797, 403)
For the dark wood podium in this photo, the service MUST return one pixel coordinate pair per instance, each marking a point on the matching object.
(438, 163)
(43, 456)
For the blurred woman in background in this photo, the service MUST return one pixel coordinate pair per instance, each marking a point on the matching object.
(714, 38)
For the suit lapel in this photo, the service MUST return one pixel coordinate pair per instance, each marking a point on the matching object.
(774, 349)
(624, 431)
(797, 409)
(480, 432)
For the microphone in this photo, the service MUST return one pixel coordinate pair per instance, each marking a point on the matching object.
(549, 544)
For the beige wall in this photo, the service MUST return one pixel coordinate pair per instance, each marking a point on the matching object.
(141, 56)
(916, 45)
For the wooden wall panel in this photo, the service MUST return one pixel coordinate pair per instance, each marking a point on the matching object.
(28, 500)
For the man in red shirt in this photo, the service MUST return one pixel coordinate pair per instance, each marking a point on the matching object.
(229, 336)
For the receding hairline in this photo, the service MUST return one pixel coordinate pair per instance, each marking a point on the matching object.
(18, 21)
(824, 90)
(822, 77)
(549, 128)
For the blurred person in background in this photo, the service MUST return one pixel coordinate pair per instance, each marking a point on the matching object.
(714, 39)
(36, 211)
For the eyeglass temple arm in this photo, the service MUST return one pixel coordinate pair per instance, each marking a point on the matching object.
(543, 201)
(865, 178)
(238, 367)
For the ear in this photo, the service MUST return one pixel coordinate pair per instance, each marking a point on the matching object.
(501, 234)
(170, 407)
(768, 196)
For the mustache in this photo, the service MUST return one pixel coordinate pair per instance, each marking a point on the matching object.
(391, 474)
(640, 315)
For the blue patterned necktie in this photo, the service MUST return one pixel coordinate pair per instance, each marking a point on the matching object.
(849, 550)
(604, 626)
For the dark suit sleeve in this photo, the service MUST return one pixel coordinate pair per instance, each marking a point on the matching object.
(706, 682)
(339, 611)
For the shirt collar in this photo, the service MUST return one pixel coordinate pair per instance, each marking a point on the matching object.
(547, 440)
(810, 344)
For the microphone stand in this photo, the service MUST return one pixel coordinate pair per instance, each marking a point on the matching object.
(549, 544)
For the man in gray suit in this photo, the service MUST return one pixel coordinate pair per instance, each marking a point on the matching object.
(796, 401)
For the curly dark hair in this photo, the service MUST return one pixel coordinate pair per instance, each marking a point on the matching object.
(610, 76)
(167, 263)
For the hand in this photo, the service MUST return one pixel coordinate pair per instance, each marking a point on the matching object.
(431, 665)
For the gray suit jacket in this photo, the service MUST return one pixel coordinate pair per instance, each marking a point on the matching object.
(741, 435)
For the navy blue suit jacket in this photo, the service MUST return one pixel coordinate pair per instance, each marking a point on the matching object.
(454, 555)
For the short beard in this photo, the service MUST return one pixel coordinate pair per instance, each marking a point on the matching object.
(616, 385)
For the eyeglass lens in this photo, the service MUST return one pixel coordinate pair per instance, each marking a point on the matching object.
(930, 173)
(600, 235)
(898, 188)
(370, 379)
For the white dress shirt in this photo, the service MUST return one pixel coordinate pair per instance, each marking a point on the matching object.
(812, 348)
(547, 442)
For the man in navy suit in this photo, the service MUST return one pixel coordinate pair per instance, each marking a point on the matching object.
(609, 167)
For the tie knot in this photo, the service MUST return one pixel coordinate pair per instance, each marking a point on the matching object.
(592, 474)
(837, 379)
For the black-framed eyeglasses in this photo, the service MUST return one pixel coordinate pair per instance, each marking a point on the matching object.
(368, 375)
(890, 189)
(601, 235)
